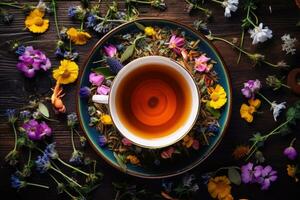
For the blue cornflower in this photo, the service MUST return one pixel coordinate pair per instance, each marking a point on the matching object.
(206, 177)
(72, 119)
(84, 92)
(43, 163)
(102, 141)
(50, 151)
(11, 115)
(213, 128)
(16, 182)
(188, 180)
(76, 157)
(91, 21)
(20, 50)
(167, 186)
(114, 65)
(59, 53)
(72, 11)
(71, 55)
(25, 115)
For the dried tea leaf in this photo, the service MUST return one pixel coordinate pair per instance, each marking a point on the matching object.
(127, 53)
(234, 176)
(43, 109)
(140, 26)
(120, 161)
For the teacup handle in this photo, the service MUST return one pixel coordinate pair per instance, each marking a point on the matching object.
(103, 99)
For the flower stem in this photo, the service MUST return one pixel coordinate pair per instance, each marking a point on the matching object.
(241, 45)
(38, 41)
(29, 157)
(74, 168)
(111, 20)
(292, 142)
(16, 136)
(68, 178)
(70, 46)
(77, 133)
(37, 185)
(72, 140)
(81, 25)
(57, 182)
(55, 18)
(286, 86)
(141, 2)
(12, 4)
(216, 1)
(265, 98)
(198, 7)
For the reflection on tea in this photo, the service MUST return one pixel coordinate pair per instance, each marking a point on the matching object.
(153, 101)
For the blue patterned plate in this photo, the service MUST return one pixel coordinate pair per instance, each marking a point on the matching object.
(92, 133)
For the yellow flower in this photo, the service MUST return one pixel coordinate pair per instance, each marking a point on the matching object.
(133, 159)
(187, 141)
(291, 171)
(105, 119)
(149, 31)
(35, 22)
(219, 187)
(78, 37)
(217, 97)
(246, 111)
(66, 73)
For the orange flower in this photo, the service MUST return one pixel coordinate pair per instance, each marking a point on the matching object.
(133, 159)
(292, 171)
(219, 187)
(78, 37)
(188, 141)
(240, 151)
(246, 111)
(35, 22)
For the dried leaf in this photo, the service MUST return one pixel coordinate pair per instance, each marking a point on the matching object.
(234, 176)
(120, 161)
(140, 26)
(128, 53)
(43, 109)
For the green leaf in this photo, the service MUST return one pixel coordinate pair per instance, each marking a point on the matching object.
(128, 53)
(140, 26)
(258, 139)
(120, 161)
(285, 130)
(43, 109)
(105, 71)
(234, 176)
(216, 113)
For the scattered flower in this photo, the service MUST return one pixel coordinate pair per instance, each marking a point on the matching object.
(103, 89)
(110, 50)
(274, 82)
(35, 22)
(219, 187)
(56, 99)
(96, 79)
(85, 92)
(264, 176)
(76, 12)
(290, 152)
(67, 72)
(50, 151)
(91, 21)
(196, 144)
(187, 141)
(11, 115)
(32, 60)
(230, 5)
(201, 64)
(102, 140)
(106, 119)
(250, 88)
(133, 159)
(277, 109)
(167, 153)
(246, 111)
(217, 97)
(288, 44)
(76, 157)
(36, 131)
(72, 119)
(126, 142)
(240, 151)
(114, 65)
(77, 36)
(292, 171)
(68, 55)
(260, 34)
(25, 115)
(149, 31)
(16, 182)
(43, 163)
(176, 44)
(247, 173)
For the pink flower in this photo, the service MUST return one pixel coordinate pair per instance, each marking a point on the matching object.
(110, 50)
(126, 142)
(103, 89)
(195, 144)
(167, 153)
(201, 64)
(96, 79)
(176, 44)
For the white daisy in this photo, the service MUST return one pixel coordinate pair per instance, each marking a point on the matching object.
(230, 5)
(260, 34)
(277, 109)
(288, 44)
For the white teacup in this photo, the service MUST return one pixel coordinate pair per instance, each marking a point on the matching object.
(153, 110)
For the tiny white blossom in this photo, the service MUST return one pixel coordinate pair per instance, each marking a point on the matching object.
(277, 109)
(288, 44)
(230, 5)
(260, 34)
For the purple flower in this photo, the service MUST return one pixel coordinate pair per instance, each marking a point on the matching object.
(31, 61)
(250, 88)
(103, 89)
(290, 152)
(110, 50)
(264, 176)
(102, 141)
(126, 142)
(247, 173)
(114, 65)
(84, 92)
(96, 79)
(176, 44)
(36, 131)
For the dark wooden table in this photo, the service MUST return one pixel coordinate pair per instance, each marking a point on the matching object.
(15, 90)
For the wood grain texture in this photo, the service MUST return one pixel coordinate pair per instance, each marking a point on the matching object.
(15, 91)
